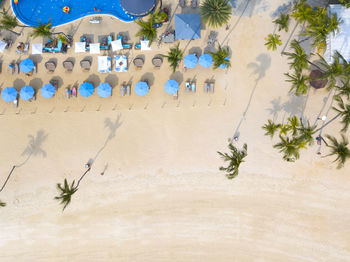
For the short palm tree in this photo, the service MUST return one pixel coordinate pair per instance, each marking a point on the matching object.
(220, 57)
(299, 59)
(66, 193)
(289, 147)
(174, 56)
(282, 22)
(284, 129)
(344, 89)
(235, 158)
(293, 123)
(2, 204)
(339, 149)
(8, 22)
(42, 30)
(306, 132)
(299, 83)
(270, 128)
(215, 13)
(272, 41)
(343, 111)
(147, 30)
(302, 12)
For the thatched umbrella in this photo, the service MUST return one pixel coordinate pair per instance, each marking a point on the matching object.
(315, 81)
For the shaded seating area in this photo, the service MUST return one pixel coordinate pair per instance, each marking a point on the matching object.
(50, 66)
(68, 65)
(85, 65)
(138, 62)
(157, 62)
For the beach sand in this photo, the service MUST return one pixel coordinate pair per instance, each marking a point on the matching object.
(162, 197)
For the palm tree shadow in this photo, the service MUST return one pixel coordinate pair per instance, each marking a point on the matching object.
(259, 68)
(112, 126)
(276, 107)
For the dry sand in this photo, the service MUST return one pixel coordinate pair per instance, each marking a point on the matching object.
(162, 197)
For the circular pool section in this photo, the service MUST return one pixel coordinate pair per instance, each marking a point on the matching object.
(31, 12)
(138, 7)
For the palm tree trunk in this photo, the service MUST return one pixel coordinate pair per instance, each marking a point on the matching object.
(7, 179)
(328, 122)
(18, 34)
(82, 176)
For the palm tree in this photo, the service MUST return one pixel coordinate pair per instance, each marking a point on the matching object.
(8, 22)
(42, 30)
(235, 158)
(270, 128)
(289, 147)
(147, 30)
(345, 3)
(215, 12)
(306, 132)
(302, 12)
(220, 57)
(282, 22)
(344, 112)
(298, 81)
(66, 193)
(284, 129)
(174, 56)
(272, 40)
(299, 59)
(344, 90)
(2, 204)
(293, 124)
(339, 149)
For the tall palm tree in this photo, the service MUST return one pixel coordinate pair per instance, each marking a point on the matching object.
(282, 22)
(299, 59)
(339, 149)
(235, 158)
(147, 30)
(343, 111)
(215, 13)
(334, 70)
(220, 57)
(293, 123)
(298, 81)
(272, 41)
(302, 12)
(306, 132)
(174, 56)
(8, 22)
(66, 193)
(2, 204)
(344, 89)
(270, 128)
(289, 147)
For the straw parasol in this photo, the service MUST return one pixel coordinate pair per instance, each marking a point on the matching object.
(315, 81)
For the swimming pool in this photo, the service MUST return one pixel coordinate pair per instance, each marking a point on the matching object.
(30, 12)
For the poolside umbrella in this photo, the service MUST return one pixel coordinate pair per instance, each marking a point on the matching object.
(9, 94)
(223, 66)
(86, 89)
(205, 60)
(26, 65)
(141, 88)
(26, 92)
(104, 90)
(171, 87)
(190, 61)
(47, 91)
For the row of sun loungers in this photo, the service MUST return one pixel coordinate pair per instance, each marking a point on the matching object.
(183, 3)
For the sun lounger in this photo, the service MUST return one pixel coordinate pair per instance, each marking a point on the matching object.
(15, 103)
(122, 90)
(193, 87)
(194, 3)
(128, 90)
(157, 62)
(68, 92)
(35, 69)
(211, 88)
(187, 86)
(182, 3)
(50, 66)
(206, 87)
(16, 69)
(58, 48)
(85, 65)
(68, 65)
(176, 95)
(11, 69)
(137, 46)
(138, 62)
(74, 91)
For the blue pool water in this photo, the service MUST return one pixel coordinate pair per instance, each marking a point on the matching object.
(30, 12)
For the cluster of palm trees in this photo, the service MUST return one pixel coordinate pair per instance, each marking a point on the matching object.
(10, 23)
(234, 158)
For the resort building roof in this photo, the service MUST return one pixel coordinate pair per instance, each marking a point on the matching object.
(340, 41)
(137, 7)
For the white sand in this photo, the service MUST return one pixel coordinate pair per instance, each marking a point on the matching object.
(162, 197)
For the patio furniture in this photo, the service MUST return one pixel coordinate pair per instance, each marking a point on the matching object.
(194, 3)
(187, 86)
(50, 66)
(211, 38)
(74, 91)
(68, 65)
(211, 88)
(122, 90)
(176, 95)
(85, 65)
(206, 87)
(182, 3)
(11, 69)
(121, 63)
(125, 89)
(168, 37)
(138, 62)
(16, 71)
(123, 40)
(104, 64)
(157, 62)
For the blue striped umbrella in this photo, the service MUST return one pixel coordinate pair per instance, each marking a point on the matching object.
(9, 94)
(171, 87)
(141, 88)
(205, 60)
(86, 89)
(104, 90)
(26, 65)
(26, 92)
(47, 91)
(222, 66)
(190, 61)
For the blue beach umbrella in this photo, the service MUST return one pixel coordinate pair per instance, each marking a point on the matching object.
(205, 60)
(9, 94)
(222, 66)
(190, 61)
(141, 88)
(26, 65)
(86, 89)
(104, 90)
(171, 87)
(26, 92)
(47, 91)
